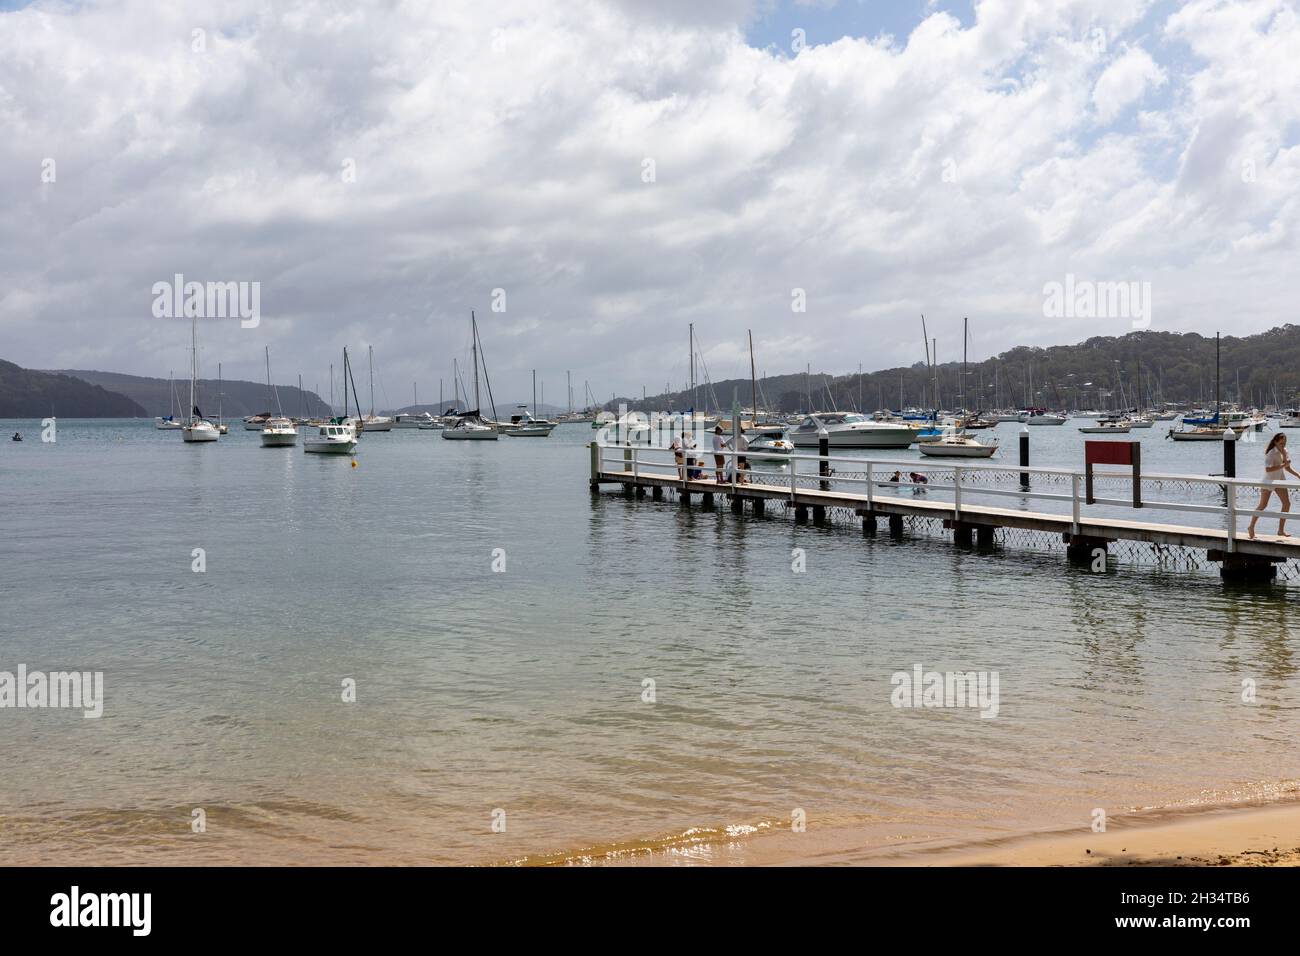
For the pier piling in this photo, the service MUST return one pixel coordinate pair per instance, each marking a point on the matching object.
(1024, 457)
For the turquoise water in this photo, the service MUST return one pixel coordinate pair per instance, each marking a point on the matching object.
(522, 690)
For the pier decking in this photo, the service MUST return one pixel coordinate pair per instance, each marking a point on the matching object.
(638, 468)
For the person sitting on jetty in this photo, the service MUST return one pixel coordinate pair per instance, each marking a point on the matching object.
(897, 477)
(1276, 464)
(719, 459)
(918, 480)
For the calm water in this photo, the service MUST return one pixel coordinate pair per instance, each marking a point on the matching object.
(522, 690)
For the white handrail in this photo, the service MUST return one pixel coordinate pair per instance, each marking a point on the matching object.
(1229, 486)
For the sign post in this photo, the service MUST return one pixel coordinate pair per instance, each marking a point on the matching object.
(1113, 453)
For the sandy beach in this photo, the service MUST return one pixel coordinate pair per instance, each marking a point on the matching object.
(1237, 836)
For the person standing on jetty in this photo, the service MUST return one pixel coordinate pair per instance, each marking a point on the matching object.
(679, 456)
(719, 459)
(1276, 463)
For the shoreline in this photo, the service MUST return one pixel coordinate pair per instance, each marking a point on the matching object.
(1253, 834)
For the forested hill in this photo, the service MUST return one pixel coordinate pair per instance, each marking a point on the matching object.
(232, 397)
(1148, 366)
(27, 393)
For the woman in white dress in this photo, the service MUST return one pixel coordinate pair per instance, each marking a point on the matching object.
(1276, 464)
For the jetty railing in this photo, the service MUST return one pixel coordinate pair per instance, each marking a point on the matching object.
(645, 461)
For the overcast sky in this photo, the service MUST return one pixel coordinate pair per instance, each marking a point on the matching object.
(892, 159)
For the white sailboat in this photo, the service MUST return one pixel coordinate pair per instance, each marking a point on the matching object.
(373, 422)
(470, 426)
(278, 432)
(196, 427)
(169, 423)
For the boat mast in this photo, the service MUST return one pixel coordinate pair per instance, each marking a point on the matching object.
(372, 381)
(194, 362)
(534, 393)
(473, 346)
(753, 380)
(219, 393)
(1217, 383)
(965, 334)
(694, 397)
(455, 383)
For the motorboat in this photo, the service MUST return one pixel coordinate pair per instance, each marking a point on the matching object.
(523, 425)
(1200, 433)
(335, 436)
(958, 446)
(279, 433)
(1109, 427)
(850, 430)
(769, 440)
(338, 436)
(422, 420)
(1045, 418)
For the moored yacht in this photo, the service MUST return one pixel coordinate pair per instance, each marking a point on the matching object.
(850, 430)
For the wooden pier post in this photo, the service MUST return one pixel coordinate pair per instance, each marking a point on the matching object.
(800, 514)
(657, 493)
(758, 507)
(640, 491)
(1230, 454)
(737, 504)
(707, 501)
(868, 523)
(823, 466)
(984, 536)
(895, 526)
(1079, 549)
(594, 484)
(1238, 568)
(1024, 457)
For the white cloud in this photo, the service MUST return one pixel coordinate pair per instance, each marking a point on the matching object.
(501, 145)
(1125, 82)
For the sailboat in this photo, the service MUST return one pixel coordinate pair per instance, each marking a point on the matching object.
(169, 423)
(1208, 429)
(469, 425)
(196, 428)
(278, 432)
(373, 422)
(338, 436)
(222, 427)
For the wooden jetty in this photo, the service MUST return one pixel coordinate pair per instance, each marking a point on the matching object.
(811, 493)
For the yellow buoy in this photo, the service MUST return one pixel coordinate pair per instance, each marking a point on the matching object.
(354, 463)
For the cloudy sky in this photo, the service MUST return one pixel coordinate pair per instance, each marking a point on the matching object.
(623, 168)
